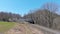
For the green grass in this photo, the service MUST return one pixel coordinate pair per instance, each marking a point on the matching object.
(4, 26)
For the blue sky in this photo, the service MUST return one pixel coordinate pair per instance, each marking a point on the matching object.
(22, 6)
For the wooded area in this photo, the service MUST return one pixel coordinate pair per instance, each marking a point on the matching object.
(6, 16)
(45, 16)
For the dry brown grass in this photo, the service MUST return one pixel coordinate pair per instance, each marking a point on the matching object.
(23, 29)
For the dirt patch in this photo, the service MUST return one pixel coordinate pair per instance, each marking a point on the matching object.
(23, 29)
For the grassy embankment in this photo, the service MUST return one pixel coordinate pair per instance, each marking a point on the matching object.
(4, 26)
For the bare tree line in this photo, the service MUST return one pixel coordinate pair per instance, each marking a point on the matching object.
(44, 16)
(4, 16)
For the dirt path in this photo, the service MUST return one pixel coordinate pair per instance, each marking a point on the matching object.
(23, 29)
(45, 30)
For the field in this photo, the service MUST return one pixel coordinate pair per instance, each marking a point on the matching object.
(4, 26)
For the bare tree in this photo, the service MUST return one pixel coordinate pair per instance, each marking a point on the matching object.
(45, 17)
(53, 7)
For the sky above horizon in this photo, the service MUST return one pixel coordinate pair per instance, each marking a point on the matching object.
(23, 6)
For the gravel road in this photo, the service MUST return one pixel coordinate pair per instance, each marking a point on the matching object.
(45, 30)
